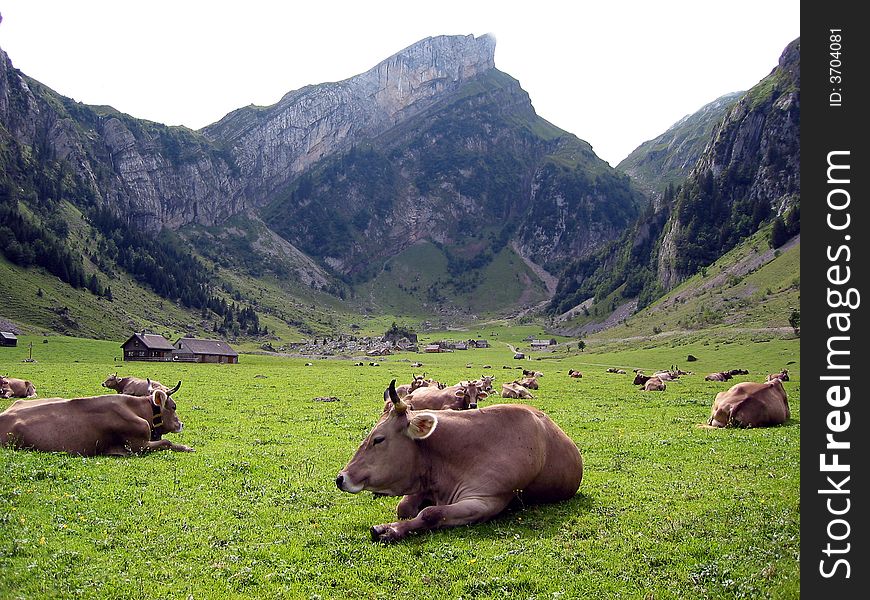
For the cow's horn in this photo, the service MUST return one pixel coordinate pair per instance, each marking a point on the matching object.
(150, 387)
(173, 390)
(400, 406)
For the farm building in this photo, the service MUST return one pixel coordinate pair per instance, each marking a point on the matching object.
(206, 351)
(478, 343)
(8, 338)
(147, 346)
(540, 344)
(433, 348)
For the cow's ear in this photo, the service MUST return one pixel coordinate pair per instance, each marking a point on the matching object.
(460, 393)
(158, 398)
(482, 394)
(421, 426)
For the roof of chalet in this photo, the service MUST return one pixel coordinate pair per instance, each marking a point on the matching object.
(198, 346)
(152, 341)
(8, 335)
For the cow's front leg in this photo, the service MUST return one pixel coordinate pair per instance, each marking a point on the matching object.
(411, 505)
(463, 512)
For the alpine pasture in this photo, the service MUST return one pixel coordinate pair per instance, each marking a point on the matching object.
(665, 509)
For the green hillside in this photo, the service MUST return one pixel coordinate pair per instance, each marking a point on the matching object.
(752, 288)
(418, 281)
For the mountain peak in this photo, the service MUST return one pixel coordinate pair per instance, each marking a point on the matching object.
(456, 56)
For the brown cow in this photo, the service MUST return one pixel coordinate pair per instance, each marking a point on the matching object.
(115, 424)
(454, 397)
(10, 387)
(782, 376)
(418, 381)
(515, 390)
(458, 468)
(654, 384)
(528, 382)
(750, 404)
(640, 378)
(720, 376)
(575, 374)
(136, 386)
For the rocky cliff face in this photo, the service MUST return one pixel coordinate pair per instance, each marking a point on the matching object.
(749, 173)
(475, 169)
(154, 175)
(669, 158)
(274, 144)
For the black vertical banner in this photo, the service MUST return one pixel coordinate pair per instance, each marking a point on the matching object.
(835, 301)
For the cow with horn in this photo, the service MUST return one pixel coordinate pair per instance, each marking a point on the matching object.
(458, 467)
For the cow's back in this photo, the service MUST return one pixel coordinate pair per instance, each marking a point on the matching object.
(85, 426)
(513, 446)
(751, 404)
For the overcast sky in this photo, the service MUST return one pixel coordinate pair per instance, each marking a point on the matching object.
(614, 73)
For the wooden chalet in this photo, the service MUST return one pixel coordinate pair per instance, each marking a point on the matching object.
(433, 348)
(204, 351)
(7, 338)
(148, 347)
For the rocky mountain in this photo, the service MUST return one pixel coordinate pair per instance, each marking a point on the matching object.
(433, 144)
(747, 176)
(668, 158)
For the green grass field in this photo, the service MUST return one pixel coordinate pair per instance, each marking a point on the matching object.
(665, 509)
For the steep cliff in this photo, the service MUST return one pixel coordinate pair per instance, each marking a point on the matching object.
(748, 174)
(153, 175)
(476, 169)
(669, 158)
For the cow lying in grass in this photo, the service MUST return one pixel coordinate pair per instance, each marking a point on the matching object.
(10, 387)
(115, 424)
(750, 404)
(136, 386)
(457, 468)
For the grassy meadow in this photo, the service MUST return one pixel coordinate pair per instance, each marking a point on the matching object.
(666, 510)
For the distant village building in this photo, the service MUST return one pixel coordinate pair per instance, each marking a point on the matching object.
(433, 348)
(148, 347)
(541, 344)
(478, 343)
(204, 351)
(7, 338)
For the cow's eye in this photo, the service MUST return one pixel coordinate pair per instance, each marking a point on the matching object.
(378, 440)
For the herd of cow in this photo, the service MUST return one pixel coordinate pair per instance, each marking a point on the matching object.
(478, 462)
(132, 420)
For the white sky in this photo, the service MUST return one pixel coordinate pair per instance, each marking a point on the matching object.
(615, 73)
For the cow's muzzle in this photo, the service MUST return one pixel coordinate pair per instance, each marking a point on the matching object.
(346, 485)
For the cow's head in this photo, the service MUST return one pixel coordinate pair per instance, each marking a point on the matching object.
(388, 460)
(5, 388)
(113, 382)
(468, 395)
(641, 379)
(165, 419)
(418, 382)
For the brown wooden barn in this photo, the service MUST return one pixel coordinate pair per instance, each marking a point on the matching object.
(206, 351)
(147, 346)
